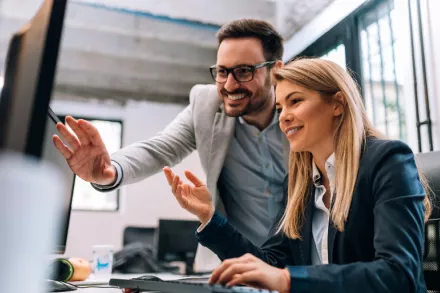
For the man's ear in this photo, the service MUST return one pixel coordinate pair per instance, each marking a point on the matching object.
(339, 104)
(278, 64)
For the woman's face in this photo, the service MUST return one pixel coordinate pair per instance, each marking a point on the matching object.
(306, 118)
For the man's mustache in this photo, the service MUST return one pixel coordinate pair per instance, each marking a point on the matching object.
(236, 92)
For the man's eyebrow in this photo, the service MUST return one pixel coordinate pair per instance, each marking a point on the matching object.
(239, 65)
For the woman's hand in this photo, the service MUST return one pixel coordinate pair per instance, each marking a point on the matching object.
(251, 271)
(195, 199)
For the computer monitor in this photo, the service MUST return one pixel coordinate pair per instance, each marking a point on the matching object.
(50, 154)
(176, 241)
(29, 78)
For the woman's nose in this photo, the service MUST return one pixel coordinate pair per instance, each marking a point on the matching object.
(285, 116)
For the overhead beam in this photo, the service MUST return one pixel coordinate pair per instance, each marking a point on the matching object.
(213, 12)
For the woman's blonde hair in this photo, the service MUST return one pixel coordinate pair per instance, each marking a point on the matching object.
(354, 127)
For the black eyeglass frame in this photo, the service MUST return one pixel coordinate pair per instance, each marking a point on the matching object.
(231, 70)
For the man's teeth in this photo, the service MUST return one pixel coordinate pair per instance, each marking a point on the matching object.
(293, 130)
(236, 97)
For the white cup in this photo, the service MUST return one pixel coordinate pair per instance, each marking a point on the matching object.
(102, 261)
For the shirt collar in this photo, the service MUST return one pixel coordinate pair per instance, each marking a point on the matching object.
(330, 163)
(275, 119)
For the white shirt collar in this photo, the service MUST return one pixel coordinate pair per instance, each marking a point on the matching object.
(329, 167)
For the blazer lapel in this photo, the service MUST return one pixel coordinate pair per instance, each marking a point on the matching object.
(306, 243)
(222, 131)
(331, 236)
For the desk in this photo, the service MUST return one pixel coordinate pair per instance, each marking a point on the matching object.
(96, 289)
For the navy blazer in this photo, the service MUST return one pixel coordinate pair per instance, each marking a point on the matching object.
(381, 247)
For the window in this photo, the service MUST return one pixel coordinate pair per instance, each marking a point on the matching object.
(336, 55)
(368, 42)
(382, 80)
(84, 196)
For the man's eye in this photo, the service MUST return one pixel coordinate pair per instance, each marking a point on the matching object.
(242, 71)
(221, 72)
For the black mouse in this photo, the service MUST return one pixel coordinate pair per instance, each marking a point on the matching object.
(149, 278)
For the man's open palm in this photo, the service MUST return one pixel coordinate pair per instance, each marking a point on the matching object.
(86, 154)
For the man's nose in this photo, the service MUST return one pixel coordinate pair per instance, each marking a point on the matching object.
(231, 84)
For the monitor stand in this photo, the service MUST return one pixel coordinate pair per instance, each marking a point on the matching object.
(58, 286)
(189, 264)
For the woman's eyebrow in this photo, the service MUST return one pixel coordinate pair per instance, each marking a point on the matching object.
(289, 96)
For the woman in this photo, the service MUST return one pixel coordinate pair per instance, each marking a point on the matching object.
(355, 203)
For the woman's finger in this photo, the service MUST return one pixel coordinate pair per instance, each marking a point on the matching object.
(175, 183)
(249, 278)
(220, 269)
(193, 178)
(237, 268)
(187, 190)
(179, 197)
(169, 175)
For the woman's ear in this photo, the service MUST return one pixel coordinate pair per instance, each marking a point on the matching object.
(339, 104)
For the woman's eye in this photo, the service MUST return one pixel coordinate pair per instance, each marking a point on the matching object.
(294, 101)
(278, 110)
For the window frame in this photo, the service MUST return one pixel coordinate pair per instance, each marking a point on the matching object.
(347, 32)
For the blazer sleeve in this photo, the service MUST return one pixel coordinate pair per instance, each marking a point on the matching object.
(398, 234)
(167, 148)
(225, 241)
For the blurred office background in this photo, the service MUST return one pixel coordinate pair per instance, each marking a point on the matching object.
(128, 66)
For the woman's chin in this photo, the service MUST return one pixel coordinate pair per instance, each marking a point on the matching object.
(295, 147)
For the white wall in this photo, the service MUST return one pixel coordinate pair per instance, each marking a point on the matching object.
(141, 204)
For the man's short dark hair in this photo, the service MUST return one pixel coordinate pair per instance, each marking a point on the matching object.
(271, 40)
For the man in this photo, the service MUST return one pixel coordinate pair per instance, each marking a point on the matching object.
(233, 126)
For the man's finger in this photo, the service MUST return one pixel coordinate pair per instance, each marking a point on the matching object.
(61, 147)
(92, 133)
(191, 177)
(81, 134)
(70, 138)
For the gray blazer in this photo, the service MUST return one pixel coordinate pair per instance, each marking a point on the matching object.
(201, 126)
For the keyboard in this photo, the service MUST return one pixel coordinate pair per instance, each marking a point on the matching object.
(181, 287)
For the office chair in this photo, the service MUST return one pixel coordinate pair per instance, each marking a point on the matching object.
(429, 163)
(143, 235)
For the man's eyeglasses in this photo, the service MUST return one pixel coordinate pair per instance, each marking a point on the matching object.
(242, 73)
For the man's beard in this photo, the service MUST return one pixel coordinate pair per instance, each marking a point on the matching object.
(255, 104)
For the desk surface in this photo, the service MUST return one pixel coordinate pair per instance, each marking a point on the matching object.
(96, 289)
